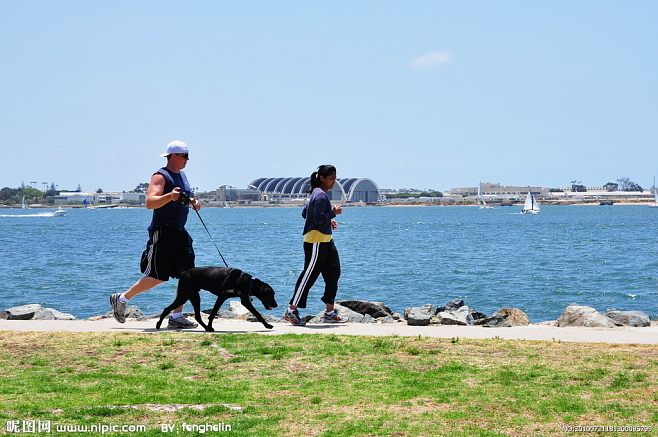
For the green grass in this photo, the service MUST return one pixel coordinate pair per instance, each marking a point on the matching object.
(326, 385)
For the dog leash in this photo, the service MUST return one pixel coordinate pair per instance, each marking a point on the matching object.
(186, 199)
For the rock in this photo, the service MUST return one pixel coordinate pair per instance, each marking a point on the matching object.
(629, 318)
(43, 315)
(374, 309)
(453, 305)
(222, 313)
(478, 315)
(4, 315)
(269, 319)
(23, 312)
(505, 318)
(237, 308)
(132, 312)
(460, 316)
(35, 312)
(456, 312)
(576, 315)
(344, 312)
(60, 315)
(420, 316)
(547, 323)
(387, 319)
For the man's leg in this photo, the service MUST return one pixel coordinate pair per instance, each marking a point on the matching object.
(143, 284)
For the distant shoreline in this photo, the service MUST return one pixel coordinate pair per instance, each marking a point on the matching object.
(384, 205)
(378, 205)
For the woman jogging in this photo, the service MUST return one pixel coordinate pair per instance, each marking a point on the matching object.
(320, 253)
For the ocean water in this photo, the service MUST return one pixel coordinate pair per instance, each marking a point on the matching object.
(604, 257)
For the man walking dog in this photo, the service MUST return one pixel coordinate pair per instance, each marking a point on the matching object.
(169, 249)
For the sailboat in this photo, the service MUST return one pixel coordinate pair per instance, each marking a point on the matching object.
(86, 203)
(481, 202)
(23, 203)
(530, 206)
(655, 195)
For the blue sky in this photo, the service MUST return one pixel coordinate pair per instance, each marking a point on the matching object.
(425, 94)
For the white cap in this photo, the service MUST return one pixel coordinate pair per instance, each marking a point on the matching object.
(175, 147)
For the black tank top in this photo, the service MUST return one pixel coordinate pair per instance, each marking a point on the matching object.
(174, 213)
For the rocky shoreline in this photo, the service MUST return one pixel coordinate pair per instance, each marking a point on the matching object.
(455, 313)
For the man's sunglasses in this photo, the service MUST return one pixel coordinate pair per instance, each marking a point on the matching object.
(184, 155)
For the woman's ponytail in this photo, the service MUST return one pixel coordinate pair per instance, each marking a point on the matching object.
(315, 180)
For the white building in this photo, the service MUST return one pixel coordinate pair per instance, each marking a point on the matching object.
(109, 198)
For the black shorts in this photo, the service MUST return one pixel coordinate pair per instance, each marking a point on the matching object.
(168, 253)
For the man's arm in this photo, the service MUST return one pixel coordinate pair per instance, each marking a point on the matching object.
(154, 197)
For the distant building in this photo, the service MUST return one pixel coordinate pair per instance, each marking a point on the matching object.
(497, 191)
(108, 198)
(597, 193)
(133, 198)
(290, 188)
(227, 193)
(75, 198)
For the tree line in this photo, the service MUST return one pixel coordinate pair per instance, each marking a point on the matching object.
(14, 196)
(622, 184)
(11, 196)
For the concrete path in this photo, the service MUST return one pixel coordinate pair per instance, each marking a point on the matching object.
(625, 335)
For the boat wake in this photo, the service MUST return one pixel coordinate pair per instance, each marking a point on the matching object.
(42, 214)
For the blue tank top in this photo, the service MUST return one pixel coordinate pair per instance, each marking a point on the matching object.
(174, 213)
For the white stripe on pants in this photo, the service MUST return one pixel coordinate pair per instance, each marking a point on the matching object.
(151, 261)
(307, 274)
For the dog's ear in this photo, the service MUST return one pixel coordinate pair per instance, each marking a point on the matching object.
(262, 287)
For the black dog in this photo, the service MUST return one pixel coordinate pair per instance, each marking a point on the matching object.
(224, 283)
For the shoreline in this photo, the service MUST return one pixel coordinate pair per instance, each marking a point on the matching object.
(393, 204)
(532, 332)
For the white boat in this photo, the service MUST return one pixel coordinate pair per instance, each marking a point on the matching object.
(23, 203)
(481, 203)
(530, 206)
(655, 195)
(59, 212)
